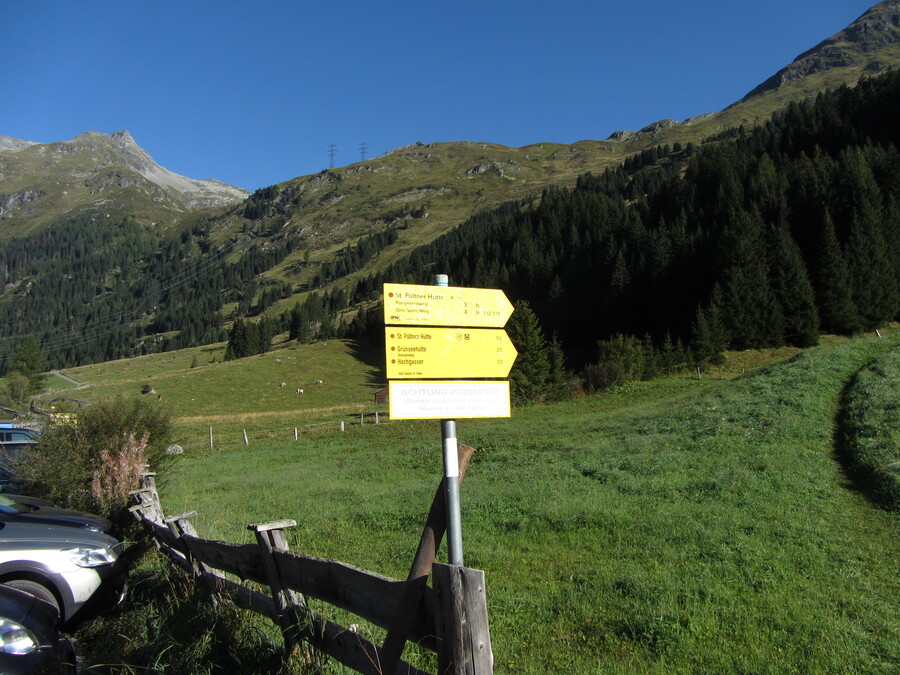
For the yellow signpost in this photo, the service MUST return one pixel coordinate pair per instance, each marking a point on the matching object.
(468, 342)
(417, 353)
(447, 333)
(414, 305)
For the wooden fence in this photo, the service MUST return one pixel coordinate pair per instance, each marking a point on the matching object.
(449, 617)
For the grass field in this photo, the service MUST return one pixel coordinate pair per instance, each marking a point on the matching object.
(679, 525)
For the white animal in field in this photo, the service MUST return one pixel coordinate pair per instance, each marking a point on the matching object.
(299, 391)
(319, 382)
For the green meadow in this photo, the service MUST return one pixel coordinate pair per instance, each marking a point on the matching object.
(679, 525)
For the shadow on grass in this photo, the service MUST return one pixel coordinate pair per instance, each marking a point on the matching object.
(371, 353)
(858, 477)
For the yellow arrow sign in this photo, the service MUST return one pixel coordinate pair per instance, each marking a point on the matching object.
(413, 305)
(415, 353)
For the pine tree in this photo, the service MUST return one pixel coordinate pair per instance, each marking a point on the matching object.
(749, 308)
(531, 372)
(750, 311)
(238, 341)
(29, 362)
(558, 381)
(668, 354)
(794, 291)
(837, 312)
(700, 342)
(873, 289)
(892, 244)
(652, 359)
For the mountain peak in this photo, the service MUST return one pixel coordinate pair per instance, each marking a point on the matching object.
(123, 139)
(857, 45)
(93, 168)
(14, 144)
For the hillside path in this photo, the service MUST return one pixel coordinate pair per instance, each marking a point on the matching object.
(66, 378)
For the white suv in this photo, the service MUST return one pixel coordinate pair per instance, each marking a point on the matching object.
(75, 570)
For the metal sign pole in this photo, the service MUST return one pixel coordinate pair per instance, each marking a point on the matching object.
(451, 476)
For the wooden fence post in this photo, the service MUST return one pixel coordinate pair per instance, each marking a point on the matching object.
(433, 532)
(246, 440)
(210, 438)
(464, 641)
(181, 525)
(270, 536)
(148, 499)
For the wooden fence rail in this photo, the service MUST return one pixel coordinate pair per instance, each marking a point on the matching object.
(449, 618)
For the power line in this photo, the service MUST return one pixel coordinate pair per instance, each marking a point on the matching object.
(362, 151)
(332, 150)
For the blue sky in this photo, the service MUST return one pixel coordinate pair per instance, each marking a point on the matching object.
(255, 93)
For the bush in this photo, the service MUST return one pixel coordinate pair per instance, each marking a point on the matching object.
(625, 352)
(602, 376)
(622, 358)
(93, 462)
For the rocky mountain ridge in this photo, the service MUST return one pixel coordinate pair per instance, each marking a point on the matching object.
(868, 45)
(40, 180)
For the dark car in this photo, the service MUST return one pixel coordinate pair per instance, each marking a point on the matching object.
(18, 435)
(12, 510)
(28, 500)
(78, 571)
(15, 441)
(9, 480)
(30, 641)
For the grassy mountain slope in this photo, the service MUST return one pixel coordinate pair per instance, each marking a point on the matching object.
(108, 175)
(679, 525)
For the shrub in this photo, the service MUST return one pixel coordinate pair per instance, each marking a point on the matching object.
(119, 471)
(89, 463)
(625, 352)
(602, 376)
(622, 358)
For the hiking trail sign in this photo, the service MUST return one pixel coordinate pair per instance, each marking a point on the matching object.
(413, 305)
(448, 334)
(447, 352)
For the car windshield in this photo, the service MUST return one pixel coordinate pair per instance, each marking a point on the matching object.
(8, 505)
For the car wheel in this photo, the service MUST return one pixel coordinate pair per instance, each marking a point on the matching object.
(39, 591)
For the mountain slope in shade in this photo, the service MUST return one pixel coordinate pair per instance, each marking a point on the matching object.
(40, 182)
